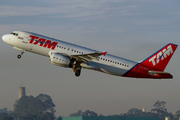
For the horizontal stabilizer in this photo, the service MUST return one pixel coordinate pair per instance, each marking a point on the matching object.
(158, 73)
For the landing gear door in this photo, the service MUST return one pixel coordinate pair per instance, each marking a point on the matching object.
(26, 38)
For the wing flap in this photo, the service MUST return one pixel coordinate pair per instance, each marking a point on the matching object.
(88, 57)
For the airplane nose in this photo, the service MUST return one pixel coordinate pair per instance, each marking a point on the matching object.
(4, 38)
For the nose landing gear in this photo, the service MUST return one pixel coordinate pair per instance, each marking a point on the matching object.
(19, 56)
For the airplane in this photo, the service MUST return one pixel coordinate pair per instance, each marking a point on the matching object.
(73, 56)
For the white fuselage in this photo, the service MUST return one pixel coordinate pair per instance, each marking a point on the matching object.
(109, 64)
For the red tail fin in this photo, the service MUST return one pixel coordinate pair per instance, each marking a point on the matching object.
(160, 59)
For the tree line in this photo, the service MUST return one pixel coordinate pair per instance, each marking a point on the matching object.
(42, 107)
(159, 110)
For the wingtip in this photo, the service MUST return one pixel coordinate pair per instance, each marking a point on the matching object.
(104, 53)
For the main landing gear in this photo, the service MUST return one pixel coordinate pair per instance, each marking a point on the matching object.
(77, 73)
(19, 56)
(76, 69)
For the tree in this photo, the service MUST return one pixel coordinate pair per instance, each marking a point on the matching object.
(59, 118)
(5, 116)
(79, 113)
(47, 103)
(134, 111)
(89, 113)
(159, 107)
(5, 110)
(29, 107)
(86, 113)
(161, 111)
(177, 115)
(46, 116)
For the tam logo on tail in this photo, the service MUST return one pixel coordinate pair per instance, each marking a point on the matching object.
(161, 58)
(161, 55)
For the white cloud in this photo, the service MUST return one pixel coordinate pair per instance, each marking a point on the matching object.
(67, 9)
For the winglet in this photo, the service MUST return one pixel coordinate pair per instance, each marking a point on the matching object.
(104, 53)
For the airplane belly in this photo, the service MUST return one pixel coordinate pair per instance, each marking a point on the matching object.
(114, 70)
(109, 69)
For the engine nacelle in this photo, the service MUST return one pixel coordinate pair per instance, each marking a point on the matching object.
(60, 60)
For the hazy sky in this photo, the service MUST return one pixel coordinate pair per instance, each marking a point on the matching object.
(133, 29)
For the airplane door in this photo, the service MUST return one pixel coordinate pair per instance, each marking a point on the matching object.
(26, 38)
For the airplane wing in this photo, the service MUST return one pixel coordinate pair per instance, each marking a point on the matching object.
(88, 57)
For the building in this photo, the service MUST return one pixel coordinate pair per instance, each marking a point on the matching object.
(144, 110)
(110, 118)
(22, 92)
(167, 118)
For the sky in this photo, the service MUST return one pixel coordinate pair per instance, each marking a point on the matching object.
(132, 29)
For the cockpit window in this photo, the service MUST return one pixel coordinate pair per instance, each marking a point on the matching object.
(13, 33)
(16, 34)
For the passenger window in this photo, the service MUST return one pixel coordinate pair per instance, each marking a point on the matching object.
(74, 50)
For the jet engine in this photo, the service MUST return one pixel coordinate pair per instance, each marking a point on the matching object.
(60, 60)
(63, 61)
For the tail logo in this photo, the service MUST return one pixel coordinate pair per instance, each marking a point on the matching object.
(161, 55)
